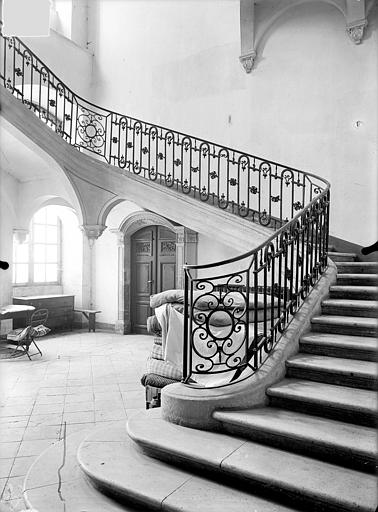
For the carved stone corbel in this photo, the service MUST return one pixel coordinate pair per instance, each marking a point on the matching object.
(93, 231)
(20, 235)
(356, 31)
(247, 60)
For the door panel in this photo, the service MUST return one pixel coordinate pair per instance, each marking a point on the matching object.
(153, 269)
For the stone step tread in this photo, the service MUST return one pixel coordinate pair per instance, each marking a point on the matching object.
(110, 458)
(366, 369)
(353, 303)
(292, 474)
(347, 254)
(354, 267)
(341, 340)
(354, 288)
(345, 320)
(366, 264)
(330, 395)
(352, 439)
(367, 277)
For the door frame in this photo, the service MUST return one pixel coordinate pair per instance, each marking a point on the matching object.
(186, 252)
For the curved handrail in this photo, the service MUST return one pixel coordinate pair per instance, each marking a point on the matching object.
(246, 310)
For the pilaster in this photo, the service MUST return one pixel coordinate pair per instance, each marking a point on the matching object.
(120, 322)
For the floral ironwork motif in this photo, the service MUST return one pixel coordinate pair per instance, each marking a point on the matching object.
(91, 130)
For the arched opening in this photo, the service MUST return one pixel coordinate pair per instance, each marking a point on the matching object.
(45, 259)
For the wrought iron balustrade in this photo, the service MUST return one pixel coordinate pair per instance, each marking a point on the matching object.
(247, 302)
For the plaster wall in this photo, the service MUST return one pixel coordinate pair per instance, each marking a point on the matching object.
(69, 61)
(8, 220)
(310, 103)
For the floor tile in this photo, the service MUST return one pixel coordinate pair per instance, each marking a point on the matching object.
(13, 488)
(86, 372)
(42, 432)
(8, 450)
(34, 447)
(11, 434)
(5, 467)
(21, 465)
(78, 417)
(48, 408)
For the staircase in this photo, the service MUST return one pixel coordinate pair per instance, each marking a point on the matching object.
(313, 448)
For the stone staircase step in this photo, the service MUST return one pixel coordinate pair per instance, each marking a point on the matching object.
(334, 370)
(335, 441)
(357, 267)
(342, 256)
(314, 484)
(113, 462)
(351, 325)
(340, 345)
(350, 307)
(343, 403)
(357, 279)
(354, 292)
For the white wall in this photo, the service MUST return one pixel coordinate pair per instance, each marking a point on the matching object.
(8, 200)
(176, 63)
(69, 61)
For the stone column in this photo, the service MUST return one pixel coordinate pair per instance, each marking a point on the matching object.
(120, 322)
(92, 232)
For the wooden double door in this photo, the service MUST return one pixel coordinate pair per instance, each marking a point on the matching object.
(153, 270)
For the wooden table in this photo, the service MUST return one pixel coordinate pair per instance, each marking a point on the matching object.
(12, 311)
(90, 315)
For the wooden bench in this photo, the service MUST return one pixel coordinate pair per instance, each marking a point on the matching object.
(90, 315)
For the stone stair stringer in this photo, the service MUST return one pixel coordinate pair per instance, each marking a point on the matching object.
(86, 172)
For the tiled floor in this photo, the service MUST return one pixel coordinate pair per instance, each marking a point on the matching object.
(83, 379)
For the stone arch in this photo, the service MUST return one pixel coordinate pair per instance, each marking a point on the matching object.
(186, 252)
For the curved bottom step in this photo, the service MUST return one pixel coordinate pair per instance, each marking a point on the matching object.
(55, 482)
(115, 464)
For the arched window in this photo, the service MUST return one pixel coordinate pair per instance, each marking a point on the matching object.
(39, 259)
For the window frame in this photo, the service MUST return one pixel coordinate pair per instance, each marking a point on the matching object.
(31, 259)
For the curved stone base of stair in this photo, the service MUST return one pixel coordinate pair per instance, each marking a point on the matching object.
(115, 464)
(56, 483)
(274, 474)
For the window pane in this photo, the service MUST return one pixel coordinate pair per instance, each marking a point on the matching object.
(22, 253)
(40, 216)
(52, 253)
(39, 253)
(51, 234)
(51, 272)
(39, 234)
(51, 217)
(21, 271)
(39, 273)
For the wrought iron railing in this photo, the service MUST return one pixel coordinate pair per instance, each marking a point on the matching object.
(295, 202)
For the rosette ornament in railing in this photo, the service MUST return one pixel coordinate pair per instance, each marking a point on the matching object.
(236, 310)
(256, 188)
